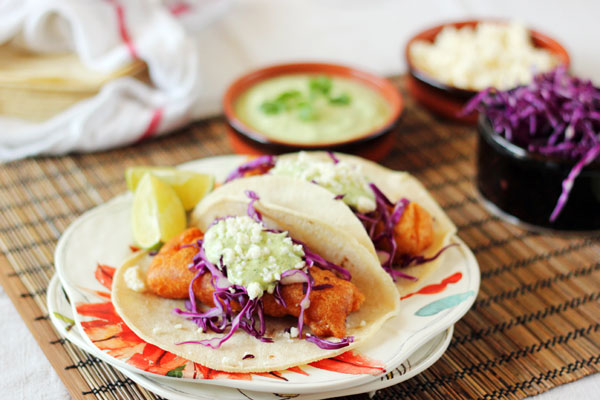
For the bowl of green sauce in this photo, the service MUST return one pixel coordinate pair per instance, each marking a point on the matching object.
(312, 106)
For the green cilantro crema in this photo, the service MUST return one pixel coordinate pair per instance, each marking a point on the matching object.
(312, 109)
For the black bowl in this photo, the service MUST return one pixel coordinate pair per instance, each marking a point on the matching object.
(524, 187)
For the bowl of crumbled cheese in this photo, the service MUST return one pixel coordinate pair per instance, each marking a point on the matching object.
(448, 64)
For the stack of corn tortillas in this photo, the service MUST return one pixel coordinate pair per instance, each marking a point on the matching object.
(35, 86)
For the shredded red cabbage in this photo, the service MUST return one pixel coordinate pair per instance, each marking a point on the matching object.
(398, 211)
(380, 227)
(277, 296)
(253, 212)
(567, 184)
(305, 303)
(333, 157)
(328, 345)
(262, 163)
(408, 260)
(250, 318)
(555, 115)
(323, 286)
(312, 258)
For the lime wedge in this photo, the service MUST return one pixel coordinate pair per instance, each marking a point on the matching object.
(190, 186)
(157, 214)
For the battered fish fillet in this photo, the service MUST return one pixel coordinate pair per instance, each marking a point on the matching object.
(169, 276)
(414, 232)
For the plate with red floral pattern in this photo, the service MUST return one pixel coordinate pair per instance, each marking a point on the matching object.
(86, 272)
(61, 316)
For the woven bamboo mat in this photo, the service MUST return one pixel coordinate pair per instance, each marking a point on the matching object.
(534, 325)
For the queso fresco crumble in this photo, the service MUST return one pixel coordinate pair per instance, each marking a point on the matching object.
(254, 257)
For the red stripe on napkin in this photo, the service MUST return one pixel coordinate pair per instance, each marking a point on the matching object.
(179, 8)
(153, 125)
(123, 28)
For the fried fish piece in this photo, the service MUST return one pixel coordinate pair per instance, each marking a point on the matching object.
(169, 276)
(414, 232)
(329, 306)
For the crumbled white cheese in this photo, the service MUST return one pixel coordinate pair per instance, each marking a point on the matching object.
(178, 326)
(158, 330)
(134, 279)
(363, 323)
(340, 178)
(365, 204)
(254, 257)
(490, 55)
(254, 251)
(254, 290)
(294, 332)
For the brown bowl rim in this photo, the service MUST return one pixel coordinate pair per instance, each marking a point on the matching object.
(382, 85)
(540, 40)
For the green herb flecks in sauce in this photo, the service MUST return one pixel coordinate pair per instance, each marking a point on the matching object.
(305, 105)
(312, 109)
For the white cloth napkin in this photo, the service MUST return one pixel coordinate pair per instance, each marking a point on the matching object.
(106, 35)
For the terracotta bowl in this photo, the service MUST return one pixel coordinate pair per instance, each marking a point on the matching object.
(446, 100)
(373, 145)
(523, 187)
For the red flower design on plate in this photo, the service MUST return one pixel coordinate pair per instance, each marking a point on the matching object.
(436, 287)
(350, 363)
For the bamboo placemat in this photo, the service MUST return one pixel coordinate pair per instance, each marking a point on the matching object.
(534, 324)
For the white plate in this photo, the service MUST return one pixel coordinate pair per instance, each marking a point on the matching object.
(419, 361)
(422, 316)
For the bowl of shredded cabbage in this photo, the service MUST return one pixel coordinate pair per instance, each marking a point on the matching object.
(539, 152)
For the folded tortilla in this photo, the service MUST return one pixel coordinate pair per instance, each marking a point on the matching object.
(63, 72)
(299, 209)
(396, 185)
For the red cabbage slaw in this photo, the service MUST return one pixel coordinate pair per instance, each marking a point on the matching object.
(383, 239)
(251, 318)
(380, 227)
(262, 164)
(556, 115)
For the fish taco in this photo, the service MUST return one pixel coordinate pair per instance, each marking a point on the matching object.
(405, 227)
(258, 283)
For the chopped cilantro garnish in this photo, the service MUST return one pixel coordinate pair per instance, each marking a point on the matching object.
(320, 84)
(305, 106)
(271, 107)
(341, 100)
(306, 111)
